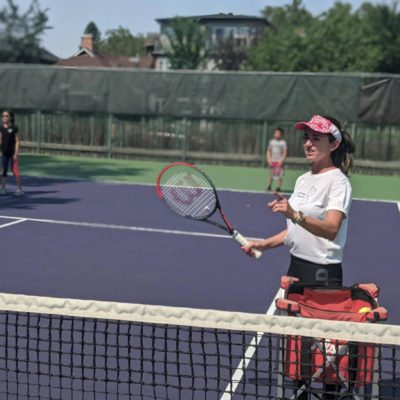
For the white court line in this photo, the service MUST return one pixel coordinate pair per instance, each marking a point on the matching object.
(13, 223)
(112, 226)
(251, 349)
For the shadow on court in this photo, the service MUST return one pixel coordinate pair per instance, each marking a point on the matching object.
(90, 169)
(33, 198)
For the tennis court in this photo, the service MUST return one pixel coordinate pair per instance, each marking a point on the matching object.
(116, 242)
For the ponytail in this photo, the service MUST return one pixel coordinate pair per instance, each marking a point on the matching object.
(341, 157)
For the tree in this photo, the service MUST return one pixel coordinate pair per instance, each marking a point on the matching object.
(380, 31)
(186, 38)
(20, 34)
(284, 45)
(120, 41)
(340, 39)
(92, 29)
(334, 41)
(366, 40)
(228, 55)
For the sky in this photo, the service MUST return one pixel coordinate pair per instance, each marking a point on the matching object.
(68, 18)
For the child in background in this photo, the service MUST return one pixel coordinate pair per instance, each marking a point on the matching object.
(276, 155)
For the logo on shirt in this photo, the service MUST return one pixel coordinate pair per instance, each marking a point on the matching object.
(305, 196)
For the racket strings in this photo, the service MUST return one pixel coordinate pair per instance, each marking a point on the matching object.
(189, 195)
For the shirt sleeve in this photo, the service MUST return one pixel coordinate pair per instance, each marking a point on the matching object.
(339, 197)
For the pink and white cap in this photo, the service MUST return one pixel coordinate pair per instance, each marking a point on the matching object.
(321, 125)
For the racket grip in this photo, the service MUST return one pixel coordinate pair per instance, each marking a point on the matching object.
(244, 242)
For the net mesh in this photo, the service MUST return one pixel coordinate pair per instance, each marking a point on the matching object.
(74, 349)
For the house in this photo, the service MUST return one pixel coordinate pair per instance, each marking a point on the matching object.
(43, 55)
(88, 56)
(243, 29)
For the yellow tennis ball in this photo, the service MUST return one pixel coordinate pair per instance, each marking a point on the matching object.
(363, 310)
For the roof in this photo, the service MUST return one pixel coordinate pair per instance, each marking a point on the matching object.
(87, 58)
(151, 39)
(44, 56)
(219, 17)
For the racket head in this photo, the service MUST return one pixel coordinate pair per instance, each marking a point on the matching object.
(187, 191)
(277, 170)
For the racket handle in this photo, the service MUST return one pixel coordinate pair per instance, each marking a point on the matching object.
(244, 242)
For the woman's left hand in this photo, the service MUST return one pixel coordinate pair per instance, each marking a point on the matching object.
(281, 204)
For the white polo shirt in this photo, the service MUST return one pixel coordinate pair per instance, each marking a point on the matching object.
(315, 195)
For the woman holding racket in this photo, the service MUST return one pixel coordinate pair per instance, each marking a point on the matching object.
(9, 151)
(317, 212)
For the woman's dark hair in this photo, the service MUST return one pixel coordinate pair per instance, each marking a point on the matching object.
(341, 157)
(11, 114)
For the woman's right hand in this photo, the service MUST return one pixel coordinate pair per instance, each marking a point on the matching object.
(253, 244)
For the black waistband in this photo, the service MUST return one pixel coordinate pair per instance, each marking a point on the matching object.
(302, 261)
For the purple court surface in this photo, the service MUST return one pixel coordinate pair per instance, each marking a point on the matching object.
(118, 242)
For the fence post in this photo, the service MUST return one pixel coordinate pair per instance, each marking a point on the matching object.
(91, 122)
(109, 135)
(183, 131)
(264, 139)
(389, 145)
(38, 131)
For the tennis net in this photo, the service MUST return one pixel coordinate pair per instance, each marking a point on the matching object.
(53, 348)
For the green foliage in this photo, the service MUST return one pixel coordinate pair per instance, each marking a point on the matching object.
(341, 39)
(284, 45)
(333, 42)
(187, 38)
(92, 29)
(20, 33)
(120, 41)
(228, 56)
(381, 34)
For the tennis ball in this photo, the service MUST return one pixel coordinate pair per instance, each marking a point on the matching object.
(363, 310)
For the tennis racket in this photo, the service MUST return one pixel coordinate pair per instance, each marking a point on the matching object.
(189, 192)
(277, 170)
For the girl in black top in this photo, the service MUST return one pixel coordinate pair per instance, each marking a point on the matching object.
(9, 151)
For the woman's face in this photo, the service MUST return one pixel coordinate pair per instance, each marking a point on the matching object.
(5, 117)
(317, 146)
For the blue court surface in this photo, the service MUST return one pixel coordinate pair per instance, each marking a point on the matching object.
(118, 242)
